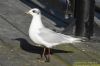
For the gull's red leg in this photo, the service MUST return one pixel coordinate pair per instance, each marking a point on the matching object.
(44, 49)
(48, 55)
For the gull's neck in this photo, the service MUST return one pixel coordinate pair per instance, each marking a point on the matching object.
(36, 23)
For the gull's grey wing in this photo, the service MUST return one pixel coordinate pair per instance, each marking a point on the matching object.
(51, 36)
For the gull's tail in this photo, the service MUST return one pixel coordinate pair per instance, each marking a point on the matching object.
(71, 39)
(78, 40)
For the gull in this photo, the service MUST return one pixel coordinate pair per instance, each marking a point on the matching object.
(46, 37)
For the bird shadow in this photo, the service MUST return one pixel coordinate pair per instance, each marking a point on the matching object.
(60, 22)
(25, 45)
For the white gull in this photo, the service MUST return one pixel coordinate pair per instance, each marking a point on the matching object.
(44, 36)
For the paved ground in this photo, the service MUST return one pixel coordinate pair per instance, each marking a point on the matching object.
(16, 49)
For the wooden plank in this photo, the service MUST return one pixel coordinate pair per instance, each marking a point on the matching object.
(14, 24)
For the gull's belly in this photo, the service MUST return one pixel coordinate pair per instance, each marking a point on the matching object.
(34, 37)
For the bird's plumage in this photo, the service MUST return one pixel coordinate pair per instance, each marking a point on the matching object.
(44, 36)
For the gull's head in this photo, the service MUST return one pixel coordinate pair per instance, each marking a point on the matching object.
(34, 11)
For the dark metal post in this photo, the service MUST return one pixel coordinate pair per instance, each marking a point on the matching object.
(84, 14)
(81, 15)
(90, 23)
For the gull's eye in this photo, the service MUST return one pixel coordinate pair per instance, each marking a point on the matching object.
(34, 11)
